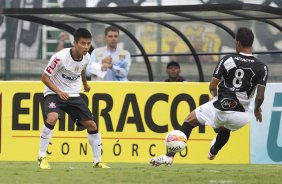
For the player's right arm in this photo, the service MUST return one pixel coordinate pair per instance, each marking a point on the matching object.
(51, 69)
(217, 75)
(47, 81)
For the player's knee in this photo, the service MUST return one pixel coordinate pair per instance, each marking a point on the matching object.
(93, 125)
(192, 119)
(52, 118)
(90, 125)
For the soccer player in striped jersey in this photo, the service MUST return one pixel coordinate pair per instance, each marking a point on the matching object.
(232, 86)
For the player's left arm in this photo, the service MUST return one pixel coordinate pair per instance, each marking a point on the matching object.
(258, 102)
(84, 81)
(213, 86)
(263, 75)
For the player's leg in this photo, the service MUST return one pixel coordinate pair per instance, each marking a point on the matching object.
(51, 109)
(45, 137)
(189, 123)
(202, 115)
(79, 111)
(231, 122)
(47, 132)
(95, 141)
(221, 139)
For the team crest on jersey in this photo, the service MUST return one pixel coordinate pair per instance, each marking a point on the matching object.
(122, 55)
(70, 78)
(52, 105)
(76, 69)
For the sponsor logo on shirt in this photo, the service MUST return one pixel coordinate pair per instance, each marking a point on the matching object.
(122, 55)
(227, 103)
(244, 59)
(52, 65)
(70, 78)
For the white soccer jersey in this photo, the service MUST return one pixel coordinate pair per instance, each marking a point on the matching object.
(65, 72)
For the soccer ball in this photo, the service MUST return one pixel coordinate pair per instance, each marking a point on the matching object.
(175, 141)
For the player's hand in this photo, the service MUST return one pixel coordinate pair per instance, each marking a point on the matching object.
(63, 96)
(63, 36)
(107, 59)
(258, 114)
(105, 66)
(86, 88)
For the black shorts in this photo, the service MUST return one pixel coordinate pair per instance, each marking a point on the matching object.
(74, 106)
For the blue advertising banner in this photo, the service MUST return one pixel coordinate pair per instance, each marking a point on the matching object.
(266, 137)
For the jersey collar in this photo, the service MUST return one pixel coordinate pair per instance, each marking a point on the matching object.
(73, 56)
(242, 53)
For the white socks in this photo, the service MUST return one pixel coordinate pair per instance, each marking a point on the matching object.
(45, 137)
(95, 142)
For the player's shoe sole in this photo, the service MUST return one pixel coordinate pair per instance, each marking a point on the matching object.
(43, 163)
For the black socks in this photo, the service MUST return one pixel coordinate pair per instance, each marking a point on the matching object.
(221, 139)
(92, 132)
(51, 127)
(186, 128)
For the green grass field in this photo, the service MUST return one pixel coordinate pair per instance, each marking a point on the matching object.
(80, 173)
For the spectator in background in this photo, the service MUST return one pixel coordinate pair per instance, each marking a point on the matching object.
(63, 41)
(173, 71)
(110, 63)
(200, 47)
(99, 40)
(198, 44)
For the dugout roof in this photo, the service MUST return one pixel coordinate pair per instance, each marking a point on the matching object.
(216, 14)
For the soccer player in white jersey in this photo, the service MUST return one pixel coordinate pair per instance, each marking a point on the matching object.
(63, 77)
(236, 76)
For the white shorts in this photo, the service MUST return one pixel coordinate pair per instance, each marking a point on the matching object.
(207, 114)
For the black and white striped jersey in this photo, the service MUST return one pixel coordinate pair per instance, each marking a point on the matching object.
(239, 75)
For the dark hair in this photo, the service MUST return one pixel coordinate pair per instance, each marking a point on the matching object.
(111, 28)
(245, 36)
(81, 33)
(91, 49)
(172, 63)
